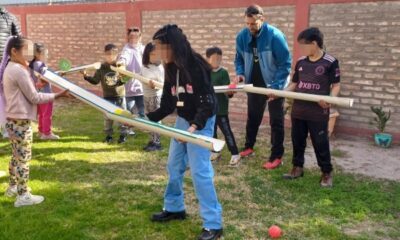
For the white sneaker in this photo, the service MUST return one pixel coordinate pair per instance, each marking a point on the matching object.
(51, 136)
(28, 199)
(215, 156)
(131, 132)
(12, 191)
(5, 134)
(235, 160)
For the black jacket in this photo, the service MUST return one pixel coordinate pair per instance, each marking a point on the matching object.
(8, 26)
(104, 74)
(196, 93)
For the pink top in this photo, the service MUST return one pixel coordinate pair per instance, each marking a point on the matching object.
(20, 93)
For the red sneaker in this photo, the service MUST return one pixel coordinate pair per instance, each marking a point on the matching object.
(274, 164)
(247, 152)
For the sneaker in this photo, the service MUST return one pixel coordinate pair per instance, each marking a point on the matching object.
(50, 136)
(5, 136)
(149, 144)
(131, 132)
(210, 234)
(235, 160)
(166, 216)
(326, 180)
(27, 199)
(122, 139)
(4, 133)
(215, 156)
(296, 172)
(247, 152)
(154, 147)
(12, 191)
(108, 139)
(273, 164)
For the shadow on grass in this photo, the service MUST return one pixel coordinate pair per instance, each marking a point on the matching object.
(92, 211)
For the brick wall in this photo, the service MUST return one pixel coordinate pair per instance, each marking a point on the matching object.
(79, 37)
(218, 27)
(363, 34)
(365, 37)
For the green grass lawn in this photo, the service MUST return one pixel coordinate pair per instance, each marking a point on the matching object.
(98, 191)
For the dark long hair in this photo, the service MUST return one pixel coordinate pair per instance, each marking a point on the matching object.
(184, 54)
(16, 42)
(38, 48)
(150, 47)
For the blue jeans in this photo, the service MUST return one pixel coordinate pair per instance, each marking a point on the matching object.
(138, 102)
(198, 158)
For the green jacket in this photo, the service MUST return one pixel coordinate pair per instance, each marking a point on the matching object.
(219, 78)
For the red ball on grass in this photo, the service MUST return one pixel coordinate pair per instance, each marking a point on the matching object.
(275, 231)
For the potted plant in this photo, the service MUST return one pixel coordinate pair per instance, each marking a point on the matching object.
(380, 120)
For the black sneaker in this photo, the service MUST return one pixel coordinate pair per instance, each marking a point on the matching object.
(154, 147)
(122, 139)
(108, 139)
(149, 144)
(210, 234)
(166, 216)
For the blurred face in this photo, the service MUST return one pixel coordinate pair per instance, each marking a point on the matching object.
(110, 56)
(23, 55)
(134, 38)
(254, 24)
(155, 58)
(215, 61)
(164, 51)
(308, 49)
(42, 56)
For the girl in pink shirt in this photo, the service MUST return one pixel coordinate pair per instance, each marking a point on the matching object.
(21, 99)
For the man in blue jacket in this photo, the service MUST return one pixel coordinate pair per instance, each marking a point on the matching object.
(263, 59)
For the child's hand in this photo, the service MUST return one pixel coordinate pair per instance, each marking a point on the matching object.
(83, 72)
(120, 63)
(64, 93)
(230, 93)
(271, 97)
(39, 85)
(192, 128)
(324, 104)
(151, 84)
(238, 79)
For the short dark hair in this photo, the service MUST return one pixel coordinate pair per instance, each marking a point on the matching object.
(254, 11)
(110, 47)
(150, 47)
(133, 29)
(213, 50)
(312, 34)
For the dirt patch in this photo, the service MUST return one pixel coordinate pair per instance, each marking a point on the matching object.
(361, 156)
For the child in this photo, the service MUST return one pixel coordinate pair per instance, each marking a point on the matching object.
(152, 69)
(114, 93)
(45, 110)
(188, 89)
(21, 98)
(3, 130)
(131, 57)
(316, 73)
(219, 76)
